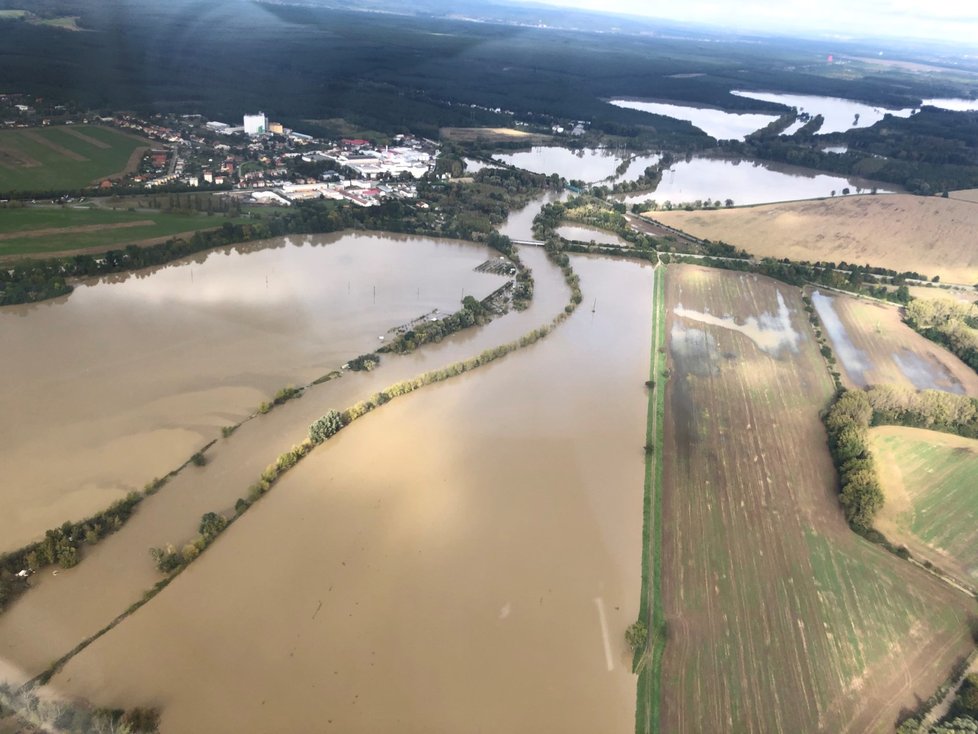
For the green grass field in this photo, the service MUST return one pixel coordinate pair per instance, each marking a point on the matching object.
(78, 229)
(61, 158)
(932, 490)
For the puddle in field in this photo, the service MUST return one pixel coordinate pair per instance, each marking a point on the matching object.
(694, 351)
(854, 360)
(925, 374)
(771, 332)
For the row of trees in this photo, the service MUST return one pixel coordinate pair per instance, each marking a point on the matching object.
(949, 323)
(452, 210)
(62, 546)
(848, 421)
(51, 714)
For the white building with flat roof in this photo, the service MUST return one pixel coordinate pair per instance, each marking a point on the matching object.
(256, 124)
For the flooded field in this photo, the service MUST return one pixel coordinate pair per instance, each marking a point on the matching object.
(716, 123)
(123, 380)
(491, 554)
(744, 182)
(873, 346)
(839, 114)
(63, 609)
(779, 618)
(590, 165)
(583, 233)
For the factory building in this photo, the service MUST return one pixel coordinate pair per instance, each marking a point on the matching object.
(256, 124)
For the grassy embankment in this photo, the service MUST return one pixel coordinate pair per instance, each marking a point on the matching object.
(649, 662)
(43, 231)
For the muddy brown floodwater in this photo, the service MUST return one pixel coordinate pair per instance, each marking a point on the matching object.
(123, 380)
(464, 559)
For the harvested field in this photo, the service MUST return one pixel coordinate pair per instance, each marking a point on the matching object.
(929, 235)
(965, 195)
(779, 618)
(873, 346)
(489, 135)
(931, 485)
(60, 158)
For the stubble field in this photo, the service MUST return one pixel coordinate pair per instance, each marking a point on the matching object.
(779, 618)
(928, 235)
(873, 346)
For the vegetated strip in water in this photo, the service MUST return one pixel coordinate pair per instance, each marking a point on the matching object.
(61, 545)
(176, 563)
(649, 661)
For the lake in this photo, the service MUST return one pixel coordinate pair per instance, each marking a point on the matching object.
(840, 114)
(716, 123)
(590, 165)
(745, 182)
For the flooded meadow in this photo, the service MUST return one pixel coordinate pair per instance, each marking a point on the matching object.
(124, 379)
(452, 550)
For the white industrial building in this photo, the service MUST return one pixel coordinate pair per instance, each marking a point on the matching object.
(256, 124)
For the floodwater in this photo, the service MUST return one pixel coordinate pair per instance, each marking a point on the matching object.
(957, 104)
(75, 604)
(474, 166)
(590, 165)
(770, 331)
(925, 375)
(454, 562)
(123, 380)
(854, 360)
(840, 114)
(745, 182)
(716, 123)
(637, 166)
(583, 233)
(519, 224)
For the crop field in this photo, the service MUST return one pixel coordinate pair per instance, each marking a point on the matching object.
(778, 617)
(931, 236)
(931, 485)
(873, 346)
(490, 135)
(64, 158)
(40, 231)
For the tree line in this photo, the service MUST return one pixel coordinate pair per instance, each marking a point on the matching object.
(848, 421)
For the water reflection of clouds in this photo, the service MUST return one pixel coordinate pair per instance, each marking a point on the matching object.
(718, 124)
(745, 182)
(288, 271)
(839, 114)
(770, 331)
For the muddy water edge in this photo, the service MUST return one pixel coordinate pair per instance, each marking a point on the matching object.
(124, 379)
(465, 559)
(62, 610)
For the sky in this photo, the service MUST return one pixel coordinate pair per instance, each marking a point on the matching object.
(954, 21)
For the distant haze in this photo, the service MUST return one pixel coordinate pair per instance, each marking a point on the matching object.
(954, 21)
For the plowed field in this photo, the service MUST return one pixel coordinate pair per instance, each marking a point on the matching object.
(779, 618)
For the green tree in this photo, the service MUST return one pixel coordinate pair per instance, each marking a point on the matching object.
(211, 525)
(637, 635)
(326, 427)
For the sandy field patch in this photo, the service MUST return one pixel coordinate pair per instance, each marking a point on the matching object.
(929, 235)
